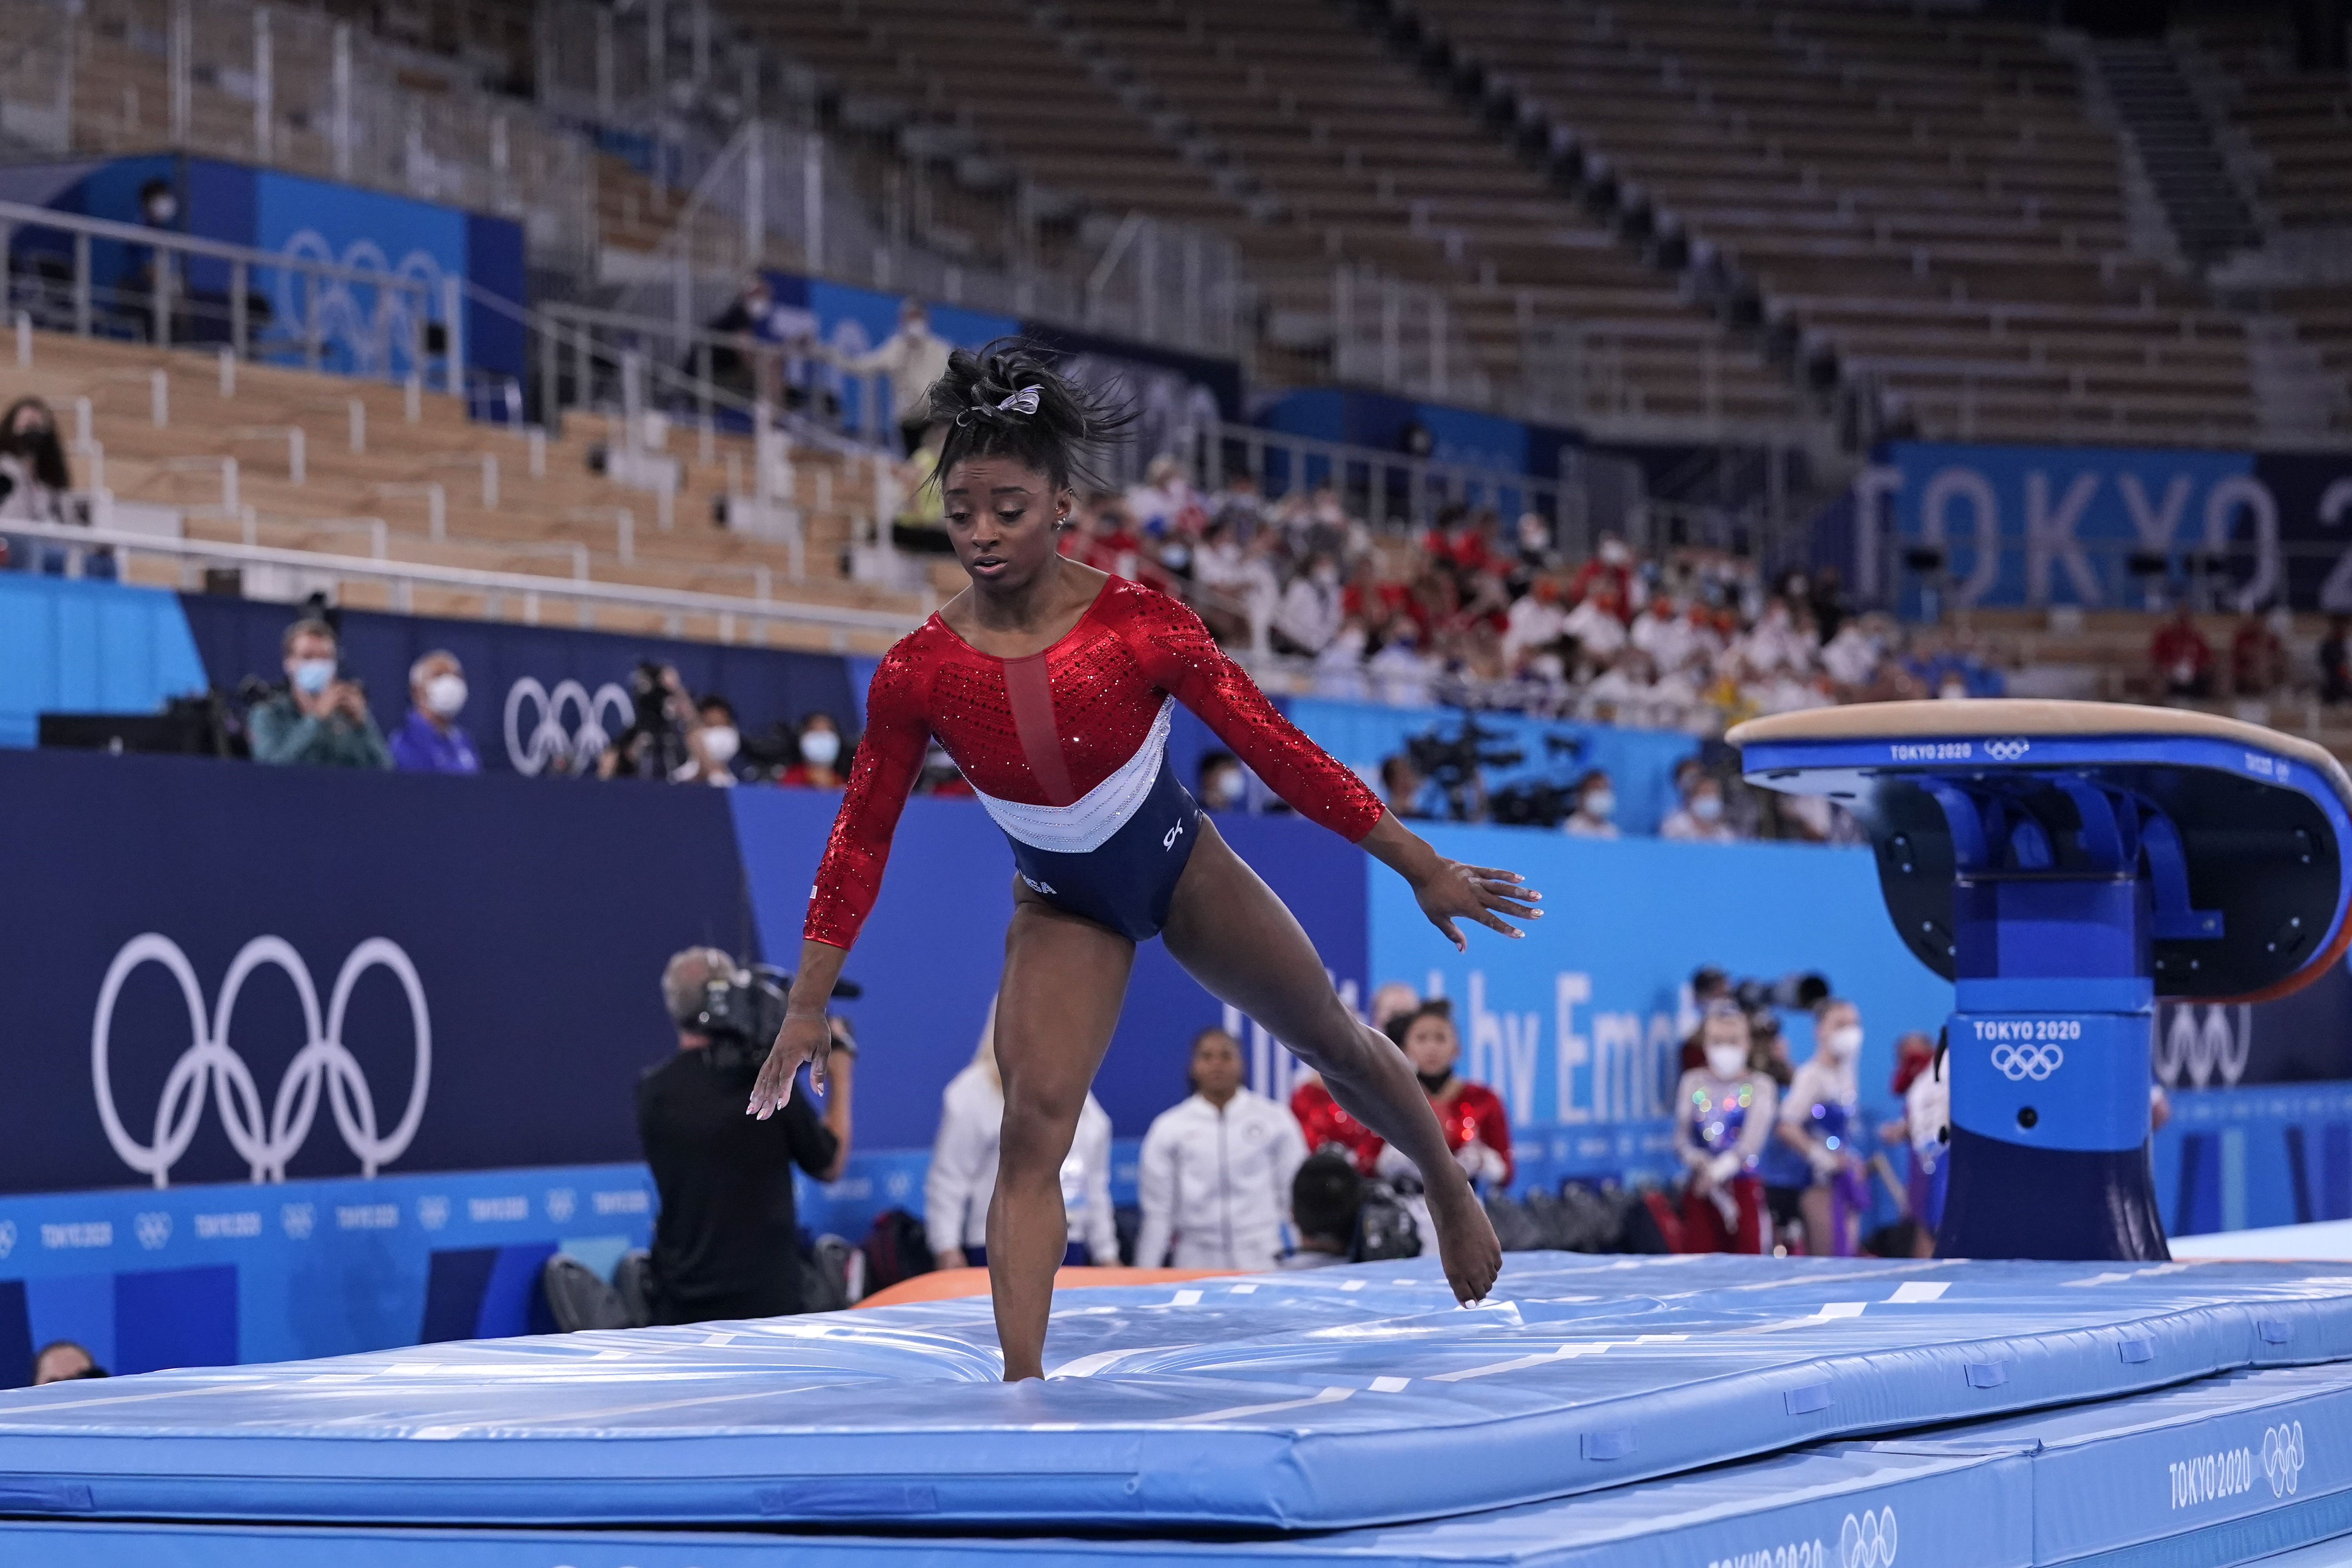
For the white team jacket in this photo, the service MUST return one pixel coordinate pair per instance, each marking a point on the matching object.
(1216, 1184)
(964, 1170)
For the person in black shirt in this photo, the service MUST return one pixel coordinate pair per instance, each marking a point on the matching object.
(726, 1243)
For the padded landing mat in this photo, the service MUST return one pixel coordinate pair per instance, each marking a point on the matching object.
(1336, 1398)
(2216, 1472)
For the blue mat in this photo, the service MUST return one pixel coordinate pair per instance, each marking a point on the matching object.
(2221, 1471)
(1329, 1399)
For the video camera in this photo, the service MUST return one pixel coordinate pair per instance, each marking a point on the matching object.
(1540, 803)
(742, 1013)
(1453, 764)
(1800, 990)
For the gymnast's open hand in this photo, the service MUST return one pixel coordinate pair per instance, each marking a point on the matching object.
(803, 1039)
(1449, 891)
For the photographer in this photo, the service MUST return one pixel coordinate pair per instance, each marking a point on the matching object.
(669, 735)
(319, 718)
(727, 1243)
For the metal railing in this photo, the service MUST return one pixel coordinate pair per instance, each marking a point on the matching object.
(732, 614)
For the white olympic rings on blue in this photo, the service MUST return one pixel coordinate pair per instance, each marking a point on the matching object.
(2019, 1063)
(323, 1062)
(549, 741)
(1867, 1542)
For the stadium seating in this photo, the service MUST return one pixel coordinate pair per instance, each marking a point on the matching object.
(495, 512)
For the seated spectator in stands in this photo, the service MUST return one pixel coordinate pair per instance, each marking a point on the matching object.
(63, 1361)
(1853, 656)
(2258, 652)
(1471, 1114)
(1400, 787)
(1399, 674)
(1340, 667)
(2335, 661)
(1223, 787)
(1534, 619)
(1611, 563)
(319, 719)
(1699, 819)
(1597, 621)
(711, 745)
(35, 480)
(1723, 1114)
(1324, 1196)
(2181, 658)
(1665, 635)
(819, 744)
(962, 1177)
(1624, 692)
(1818, 1126)
(1163, 497)
(1309, 616)
(1239, 507)
(1215, 1180)
(431, 742)
(1595, 816)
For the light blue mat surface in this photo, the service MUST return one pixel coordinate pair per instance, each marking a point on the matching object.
(1322, 1400)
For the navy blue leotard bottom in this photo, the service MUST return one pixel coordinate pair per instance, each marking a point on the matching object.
(1127, 883)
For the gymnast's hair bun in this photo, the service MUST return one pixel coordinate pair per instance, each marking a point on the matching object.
(1008, 400)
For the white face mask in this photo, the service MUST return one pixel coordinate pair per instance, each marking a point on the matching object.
(1707, 807)
(312, 674)
(1225, 788)
(1727, 1061)
(820, 747)
(1600, 803)
(721, 742)
(1845, 1042)
(444, 694)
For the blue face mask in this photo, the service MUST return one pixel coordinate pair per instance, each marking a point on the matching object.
(312, 674)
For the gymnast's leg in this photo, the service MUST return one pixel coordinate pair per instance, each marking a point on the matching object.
(1064, 977)
(1233, 935)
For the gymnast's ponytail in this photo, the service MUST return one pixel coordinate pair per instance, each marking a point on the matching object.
(1007, 401)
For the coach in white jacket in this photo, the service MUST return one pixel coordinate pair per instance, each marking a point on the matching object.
(963, 1169)
(1217, 1170)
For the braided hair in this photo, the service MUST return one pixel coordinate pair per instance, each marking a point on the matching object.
(1007, 401)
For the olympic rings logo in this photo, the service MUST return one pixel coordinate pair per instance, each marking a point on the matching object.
(549, 741)
(376, 339)
(2019, 1063)
(322, 1064)
(2007, 750)
(2283, 1457)
(1867, 1542)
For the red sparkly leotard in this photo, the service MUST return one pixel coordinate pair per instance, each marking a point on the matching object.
(1062, 746)
(1474, 1110)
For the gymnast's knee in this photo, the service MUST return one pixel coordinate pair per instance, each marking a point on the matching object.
(1035, 1135)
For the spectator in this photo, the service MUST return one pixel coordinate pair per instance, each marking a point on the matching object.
(1534, 621)
(1722, 1117)
(1822, 1184)
(1708, 984)
(1665, 635)
(1598, 623)
(1239, 509)
(1595, 816)
(1699, 819)
(2258, 652)
(1320, 1119)
(732, 367)
(962, 1177)
(1852, 657)
(35, 480)
(1399, 673)
(431, 742)
(710, 744)
(725, 1244)
(1310, 614)
(913, 358)
(63, 1361)
(1325, 1197)
(1216, 1170)
(2181, 658)
(1392, 998)
(1400, 787)
(2335, 662)
(1472, 1114)
(1223, 785)
(1612, 563)
(319, 719)
(819, 745)
(1925, 1128)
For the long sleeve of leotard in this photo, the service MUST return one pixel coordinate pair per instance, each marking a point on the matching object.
(1181, 658)
(889, 756)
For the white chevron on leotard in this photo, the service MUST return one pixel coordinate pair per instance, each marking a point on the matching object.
(1088, 823)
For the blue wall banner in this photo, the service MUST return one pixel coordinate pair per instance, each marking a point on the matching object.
(85, 646)
(2059, 525)
(542, 699)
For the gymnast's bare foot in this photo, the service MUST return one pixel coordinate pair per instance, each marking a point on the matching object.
(1466, 1240)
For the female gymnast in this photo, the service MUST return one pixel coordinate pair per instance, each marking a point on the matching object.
(1051, 684)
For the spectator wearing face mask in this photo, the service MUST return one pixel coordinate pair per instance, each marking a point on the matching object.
(431, 742)
(1723, 1116)
(35, 480)
(320, 719)
(1699, 819)
(1224, 788)
(820, 749)
(1471, 1114)
(711, 745)
(1216, 1170)
(1310, 612)
(1595, 816)
(1817, 1173)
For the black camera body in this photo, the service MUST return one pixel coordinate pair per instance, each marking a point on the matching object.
(1797, 991)
(741, 1013)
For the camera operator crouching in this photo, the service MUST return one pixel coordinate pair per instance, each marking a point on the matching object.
(726, 1241)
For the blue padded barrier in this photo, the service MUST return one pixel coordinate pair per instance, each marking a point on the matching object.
(1329, 1399)
(2219, 1471)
